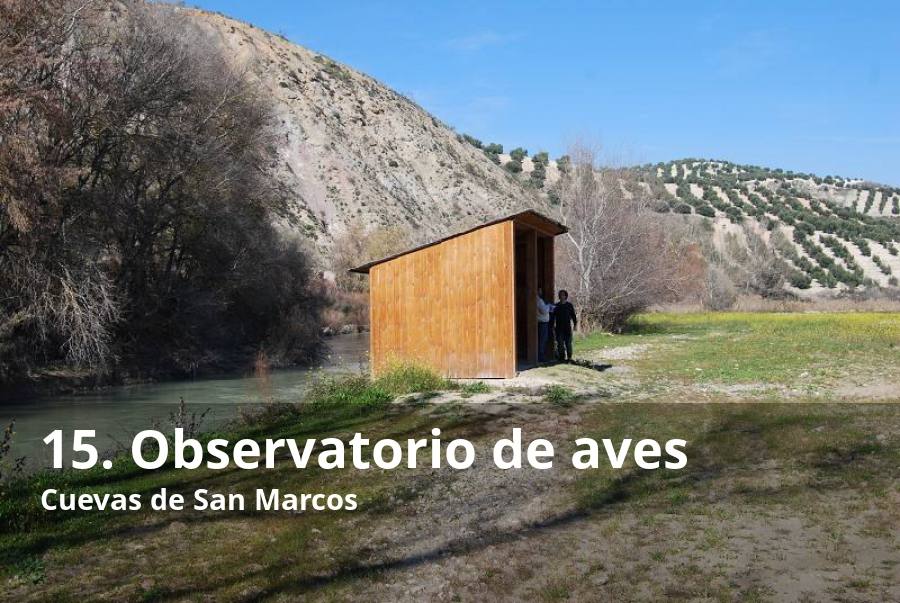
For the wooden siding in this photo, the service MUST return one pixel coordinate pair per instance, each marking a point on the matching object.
(449, 306)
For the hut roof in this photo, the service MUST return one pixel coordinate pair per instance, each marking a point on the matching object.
(528, 217)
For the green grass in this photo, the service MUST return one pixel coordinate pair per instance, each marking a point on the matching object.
(467, 390)
(768, 348)
(354, 391)
(829, 448)
(408, 378)
(558, 395)
(746, 460)
(832, 448)
(333, 405)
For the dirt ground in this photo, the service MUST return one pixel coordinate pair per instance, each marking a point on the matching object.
(791, 492)
(499, 535)
(759, 529)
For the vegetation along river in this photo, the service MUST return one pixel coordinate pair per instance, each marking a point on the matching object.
(117, 413)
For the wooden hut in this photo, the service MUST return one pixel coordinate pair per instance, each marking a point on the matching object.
(465, 305)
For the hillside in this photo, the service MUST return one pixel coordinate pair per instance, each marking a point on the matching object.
(355, 150)
(834, 233)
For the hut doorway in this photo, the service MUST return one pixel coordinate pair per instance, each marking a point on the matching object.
(533, 272)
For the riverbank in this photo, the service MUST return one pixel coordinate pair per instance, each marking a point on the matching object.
(67, 381)
(116, 411)
(52, 382)
(70, 381)
(791, 489)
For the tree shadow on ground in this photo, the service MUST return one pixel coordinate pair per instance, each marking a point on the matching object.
(633, 486)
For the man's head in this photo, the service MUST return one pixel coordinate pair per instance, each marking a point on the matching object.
(563, 295)
(540, 292)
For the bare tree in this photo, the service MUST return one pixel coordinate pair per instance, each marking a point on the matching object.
(720, 293)
(358, 244)
(136, 201)
(754, 264)
(49, 290)
(618, 253)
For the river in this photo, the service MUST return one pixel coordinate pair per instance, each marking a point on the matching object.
(117, 413)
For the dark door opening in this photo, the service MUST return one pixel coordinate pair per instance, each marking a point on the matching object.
(533, 271)
(524, 280)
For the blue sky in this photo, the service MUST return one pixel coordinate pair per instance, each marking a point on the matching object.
(808, 86)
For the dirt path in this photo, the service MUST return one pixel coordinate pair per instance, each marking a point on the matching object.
(487, 534)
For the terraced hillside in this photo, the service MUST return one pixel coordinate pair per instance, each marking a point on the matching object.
(834, 234)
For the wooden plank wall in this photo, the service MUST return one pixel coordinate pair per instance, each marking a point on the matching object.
(449, 306)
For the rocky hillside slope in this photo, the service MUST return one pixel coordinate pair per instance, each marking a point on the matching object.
(355, 150)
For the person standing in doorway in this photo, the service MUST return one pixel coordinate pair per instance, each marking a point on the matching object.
(543, 318)
(564, 322)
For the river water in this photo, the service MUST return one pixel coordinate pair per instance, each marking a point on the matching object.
(117, 413)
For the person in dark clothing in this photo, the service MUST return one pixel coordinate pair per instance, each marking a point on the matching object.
(564, 321)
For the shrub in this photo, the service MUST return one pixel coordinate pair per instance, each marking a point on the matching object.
(804, 228)
(332, 68)
(472, 141)
(683, 208)
(734, 214)
(885, 269)
(355, 390)
(870, 200)
(706, 210)
(538, 175)
(799, 280)
(475, 387)
(518, 154)
(558, 395)
(406, 378)
(8, 467)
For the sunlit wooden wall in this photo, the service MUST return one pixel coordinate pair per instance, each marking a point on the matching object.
(449, 306)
